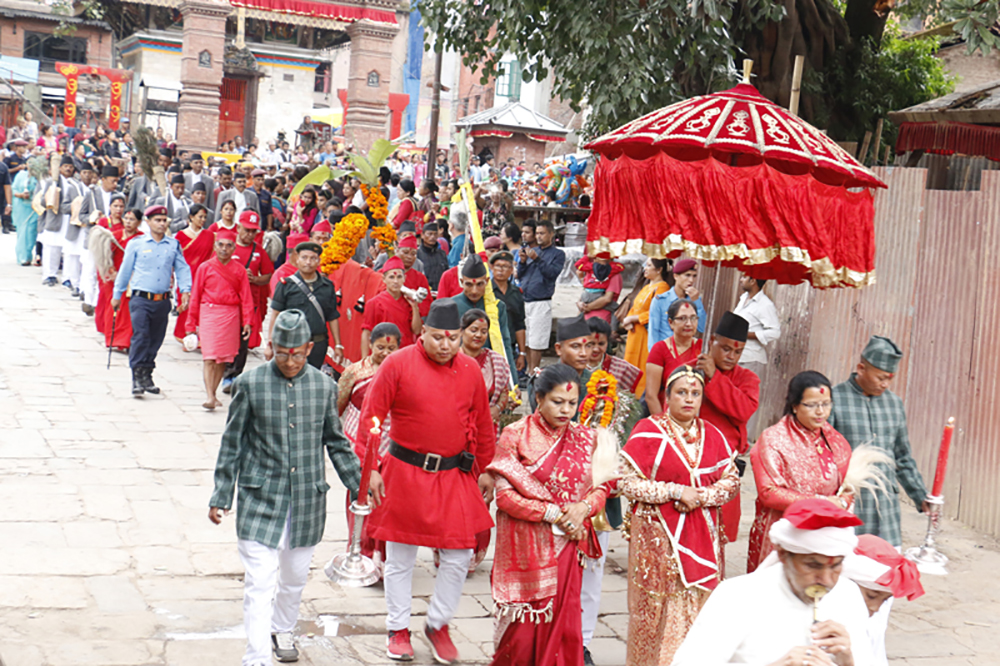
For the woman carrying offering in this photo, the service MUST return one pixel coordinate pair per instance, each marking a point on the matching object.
(220, 301)
(799, 457)
(677, 470)
(545, 499)
(656, 271)
(197, 245)
(682, 348)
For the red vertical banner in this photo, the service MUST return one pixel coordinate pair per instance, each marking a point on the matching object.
(115, 108)
(71, 72)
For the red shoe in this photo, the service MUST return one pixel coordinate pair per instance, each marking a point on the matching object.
(397, 645)
(445, 651)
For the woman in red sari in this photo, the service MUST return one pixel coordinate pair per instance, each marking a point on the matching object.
(104, 257)
(677, 471)
(680, 349)
(351, 390)
(196, 244)
(124, 228)
(545, 500)
(799, 457)
(221, 311)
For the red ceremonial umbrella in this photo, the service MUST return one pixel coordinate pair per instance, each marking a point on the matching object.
(733, 177)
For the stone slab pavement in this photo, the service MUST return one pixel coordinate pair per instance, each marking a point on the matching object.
(107, 556)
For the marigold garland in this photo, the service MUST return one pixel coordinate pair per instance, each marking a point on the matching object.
(378, 207)
(602, 387)
(341, 247)
(386, 236)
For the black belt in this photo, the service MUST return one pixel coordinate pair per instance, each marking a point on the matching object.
(320, 338)
(431, 462)
(150, 296)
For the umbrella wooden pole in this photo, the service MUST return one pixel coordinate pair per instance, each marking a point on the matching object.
(878, 140)
(886, 160)
(747, 68)
(864, 147)
(706, 335)
(793, 104)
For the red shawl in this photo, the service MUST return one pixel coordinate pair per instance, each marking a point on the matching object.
(656, 454)
(536, 466)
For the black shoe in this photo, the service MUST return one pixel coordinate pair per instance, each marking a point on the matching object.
(146, 379)
(137, 389)
(587, 659)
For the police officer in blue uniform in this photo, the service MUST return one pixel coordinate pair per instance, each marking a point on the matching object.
(150, 261)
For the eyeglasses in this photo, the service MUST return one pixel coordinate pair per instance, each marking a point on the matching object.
(686, 320)
(816, 406)
(283, 356)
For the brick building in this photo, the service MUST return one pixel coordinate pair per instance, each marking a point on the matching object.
(513, 130)
(29, 49)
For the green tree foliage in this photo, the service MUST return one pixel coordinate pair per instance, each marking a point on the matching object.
(625, 58)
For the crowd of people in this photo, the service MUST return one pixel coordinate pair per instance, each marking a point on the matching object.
(239, 266)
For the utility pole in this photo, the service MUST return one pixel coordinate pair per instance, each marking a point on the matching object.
(435, 114)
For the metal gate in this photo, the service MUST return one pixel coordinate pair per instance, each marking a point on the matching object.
(232, 108)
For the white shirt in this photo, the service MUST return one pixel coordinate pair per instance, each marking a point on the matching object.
(763, 318)
(240, 199)
(106, 199)
(756, 619)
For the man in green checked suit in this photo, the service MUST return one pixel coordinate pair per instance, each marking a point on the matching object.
(865, 411)
(282, 418)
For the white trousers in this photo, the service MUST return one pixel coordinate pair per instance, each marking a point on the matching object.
(51, 255)
(400, 559)
(267, 610)
(590, 588)
(72, 268)
(877, 625)
(88, 279)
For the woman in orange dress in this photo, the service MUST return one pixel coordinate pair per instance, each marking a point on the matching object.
(657, 271)
(197, 246)
(799, 457)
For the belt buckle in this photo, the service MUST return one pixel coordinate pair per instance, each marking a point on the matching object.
(427, 460)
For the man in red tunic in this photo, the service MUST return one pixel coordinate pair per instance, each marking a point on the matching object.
(731, 396)
(431, 489)
(259, 268)
(392, 306)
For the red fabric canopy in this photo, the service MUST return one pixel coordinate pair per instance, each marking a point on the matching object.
(738, 121)
(770, 224)
(950, 138)
(345, 13)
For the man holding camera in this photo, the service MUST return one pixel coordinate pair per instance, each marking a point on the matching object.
(538, 267)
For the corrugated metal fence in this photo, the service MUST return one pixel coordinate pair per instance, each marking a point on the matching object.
(938, 297)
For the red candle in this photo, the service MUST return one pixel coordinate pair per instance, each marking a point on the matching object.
(374, 438)
(942, 462)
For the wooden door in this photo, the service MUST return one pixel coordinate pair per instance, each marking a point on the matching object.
(232, 108)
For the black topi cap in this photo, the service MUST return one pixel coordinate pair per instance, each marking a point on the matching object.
(444, 315)
(474, 267)
(572, 328)
(733, 326)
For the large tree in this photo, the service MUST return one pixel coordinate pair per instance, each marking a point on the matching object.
(625, 58)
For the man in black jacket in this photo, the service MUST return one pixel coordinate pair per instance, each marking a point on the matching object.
(434, 259)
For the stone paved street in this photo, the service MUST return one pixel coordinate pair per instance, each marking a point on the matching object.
(107, 556)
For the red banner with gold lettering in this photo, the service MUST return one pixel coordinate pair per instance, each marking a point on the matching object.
(72, 72)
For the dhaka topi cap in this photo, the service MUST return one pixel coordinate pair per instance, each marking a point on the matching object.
(444, 315)
(393, 264)
(408, 243)
(108, 171)
(309, 246)
(177, 178)
(322, 226)
(882, 353)
(250, 219)
(291, 330)
(684, 265)
(166, 152)
(407, 226)
(572, 328)
(198, 187)
(733, 326)
(67, 159)
(492, 243)
(474, 267)
(196, 157)
(152, 211)
(87, 166)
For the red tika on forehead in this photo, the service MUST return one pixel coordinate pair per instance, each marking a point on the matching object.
(569, 386)
(822, 390)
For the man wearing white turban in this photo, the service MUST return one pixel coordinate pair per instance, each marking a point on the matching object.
(767, 618)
